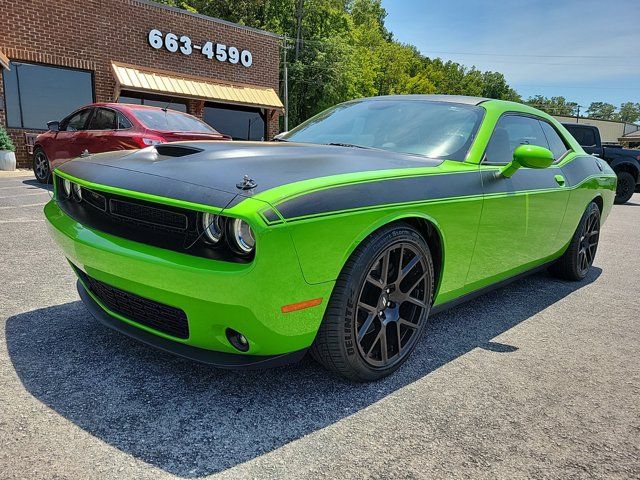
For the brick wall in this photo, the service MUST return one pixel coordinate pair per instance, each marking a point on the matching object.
(92, 34)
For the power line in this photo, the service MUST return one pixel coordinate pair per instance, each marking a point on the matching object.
(522, 55)
(576, 86)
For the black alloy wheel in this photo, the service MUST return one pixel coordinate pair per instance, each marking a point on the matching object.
(41, 168)
(576, 261)
(391, 305)
(379, 306)
(589, 238)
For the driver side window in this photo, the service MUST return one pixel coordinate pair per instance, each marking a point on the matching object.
(76, 122)
(510, 132)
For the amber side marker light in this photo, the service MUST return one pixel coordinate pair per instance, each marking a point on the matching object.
(301, 305)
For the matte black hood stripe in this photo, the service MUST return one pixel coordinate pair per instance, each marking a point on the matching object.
(210, 174)
(434, 187)
(150, 184)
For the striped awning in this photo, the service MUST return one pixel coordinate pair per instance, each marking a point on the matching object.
(129, 77)
(4, 61)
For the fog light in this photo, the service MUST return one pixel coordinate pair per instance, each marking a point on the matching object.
(238, 340)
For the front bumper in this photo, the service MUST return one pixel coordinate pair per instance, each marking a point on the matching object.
(217, 359)
(215, 295)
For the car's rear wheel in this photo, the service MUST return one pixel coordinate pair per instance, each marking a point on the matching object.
(379, 306)
(41, 168)
(626, 187)
(576, 261)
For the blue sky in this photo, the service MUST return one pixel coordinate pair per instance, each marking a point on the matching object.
(584, 50)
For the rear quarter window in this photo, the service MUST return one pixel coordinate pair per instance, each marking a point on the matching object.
(556, 143)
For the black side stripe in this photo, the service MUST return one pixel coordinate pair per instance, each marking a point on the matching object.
(433, 187)
(580, 168)
(383, 192)
(528, 179)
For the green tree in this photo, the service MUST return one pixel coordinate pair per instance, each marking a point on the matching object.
(495, 86)
(629, 112)
(553, 105)
(602, 110)
(341, 49)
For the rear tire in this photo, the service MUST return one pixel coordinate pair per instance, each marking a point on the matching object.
(626, 187)
(576, 261)
(41, 167)
(379, 306)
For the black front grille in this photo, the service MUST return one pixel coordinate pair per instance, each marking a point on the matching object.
(161, 317)
(159, 217)
(151, 223)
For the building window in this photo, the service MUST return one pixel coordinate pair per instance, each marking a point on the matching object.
(36, 94)
(153, 101)
(241, 123)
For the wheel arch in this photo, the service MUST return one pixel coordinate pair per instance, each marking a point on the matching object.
(428, 228)
(598, 200)
(39, 146)
(625, 165)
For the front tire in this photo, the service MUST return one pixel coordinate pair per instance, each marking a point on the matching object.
(379, 306)
(576, 261)
(41, 168)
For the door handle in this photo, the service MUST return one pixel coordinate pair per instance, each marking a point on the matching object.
(560, 180)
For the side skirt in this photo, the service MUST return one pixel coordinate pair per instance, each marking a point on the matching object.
(481, 291)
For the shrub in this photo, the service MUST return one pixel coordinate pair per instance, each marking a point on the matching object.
(5, 141)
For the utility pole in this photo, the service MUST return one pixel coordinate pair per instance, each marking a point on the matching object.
(286, 87)
(578, 114)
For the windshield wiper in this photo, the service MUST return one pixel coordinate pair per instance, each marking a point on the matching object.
(351, 145)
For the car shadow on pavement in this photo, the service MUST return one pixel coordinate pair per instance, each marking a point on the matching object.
(193, 420)
(32, 182)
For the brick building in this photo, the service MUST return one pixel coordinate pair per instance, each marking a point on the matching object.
(58, 56)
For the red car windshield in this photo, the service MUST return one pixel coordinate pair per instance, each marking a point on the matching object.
(171, 121)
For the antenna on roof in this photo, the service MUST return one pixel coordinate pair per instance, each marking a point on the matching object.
(166, 107)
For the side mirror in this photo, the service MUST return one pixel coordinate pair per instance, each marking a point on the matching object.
(529, 156)
(53, 125)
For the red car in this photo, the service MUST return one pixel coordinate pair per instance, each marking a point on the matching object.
(104, 127)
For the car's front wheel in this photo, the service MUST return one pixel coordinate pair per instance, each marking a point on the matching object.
(576, 261)
(626, 187)
(379, 306)
(41, 168)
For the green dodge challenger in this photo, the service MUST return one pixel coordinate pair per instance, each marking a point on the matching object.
(339, 238)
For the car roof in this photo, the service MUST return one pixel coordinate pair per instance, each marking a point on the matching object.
(130, 106)
(464, 99)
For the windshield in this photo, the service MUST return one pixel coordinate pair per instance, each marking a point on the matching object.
(171, 121)
(433, 129)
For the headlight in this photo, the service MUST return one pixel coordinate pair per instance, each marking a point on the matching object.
(241, 238)
(66, 185)
(212, 227)
(77, 191)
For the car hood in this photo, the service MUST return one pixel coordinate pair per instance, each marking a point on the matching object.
(211, 172)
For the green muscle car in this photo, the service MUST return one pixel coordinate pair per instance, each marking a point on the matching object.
(338, 238)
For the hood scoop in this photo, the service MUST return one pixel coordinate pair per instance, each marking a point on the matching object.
(169, 150)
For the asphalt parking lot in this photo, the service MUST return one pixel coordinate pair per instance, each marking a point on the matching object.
(540, 379)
